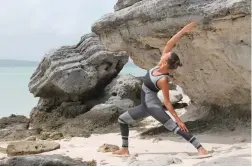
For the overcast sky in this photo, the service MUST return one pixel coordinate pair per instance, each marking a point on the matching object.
(30, 28)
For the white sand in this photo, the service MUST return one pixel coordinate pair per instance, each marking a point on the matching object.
(229, 148)
(227, 151)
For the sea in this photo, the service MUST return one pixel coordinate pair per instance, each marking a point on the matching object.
(15, 97)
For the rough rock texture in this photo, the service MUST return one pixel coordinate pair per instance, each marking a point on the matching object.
(53, 119)
(124, 3)
(97, 120)
(31, 138)
(216, 56)
(42, 160)
(108, 148)
(15, 127)
(30, 147)
(125, 86)
(76, 119)
(175, 96)
(71, 80)
(76, 70)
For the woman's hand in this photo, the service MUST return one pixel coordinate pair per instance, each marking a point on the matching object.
(182, 126)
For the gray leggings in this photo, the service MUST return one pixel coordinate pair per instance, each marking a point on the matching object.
(151, 106)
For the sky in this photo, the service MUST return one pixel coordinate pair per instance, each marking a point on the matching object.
(31, 28)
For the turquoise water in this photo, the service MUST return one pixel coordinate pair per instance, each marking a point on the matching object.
(15, 97)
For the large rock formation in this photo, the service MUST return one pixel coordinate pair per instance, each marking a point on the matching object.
(71, 80)
(77, 70)
(216, 55)
(101, 113)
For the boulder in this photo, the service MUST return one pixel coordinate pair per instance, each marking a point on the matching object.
(44, 160)
(126, 87)
(76, 70)
(216, 55)
(175, 96)
(97, 120)
(15, 127)
(30, 147)
(70, 76)
(54, 119)
(17, 122)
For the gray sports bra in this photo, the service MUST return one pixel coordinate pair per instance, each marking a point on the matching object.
(150, 81)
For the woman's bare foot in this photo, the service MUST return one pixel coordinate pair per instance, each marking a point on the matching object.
(202, 151)
(122, 151)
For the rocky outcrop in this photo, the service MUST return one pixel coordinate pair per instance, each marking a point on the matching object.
(100, 119)
(77, 70)
(30, 147)
(124, 3)
(91, 116)
(216, 55)
(74, 79)
(15, 127)
(44, 160)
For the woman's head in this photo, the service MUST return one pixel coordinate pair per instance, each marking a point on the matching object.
(170, 61)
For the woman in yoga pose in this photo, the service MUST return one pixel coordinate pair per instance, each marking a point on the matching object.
(157, 79)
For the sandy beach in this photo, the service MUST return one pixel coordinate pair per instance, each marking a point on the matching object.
(228, 148)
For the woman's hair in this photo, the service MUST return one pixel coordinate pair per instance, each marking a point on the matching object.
(172, 59)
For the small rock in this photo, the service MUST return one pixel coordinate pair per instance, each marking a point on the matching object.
(108, 148)
(135, 155)
(91, 163)
(156, 140)
(44, 135)
(56, 136)
(43, 160)
(30, 147)
(31, 138)
(177, 160)
(240, 139)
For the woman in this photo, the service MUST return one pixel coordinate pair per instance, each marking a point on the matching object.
(157, 79)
